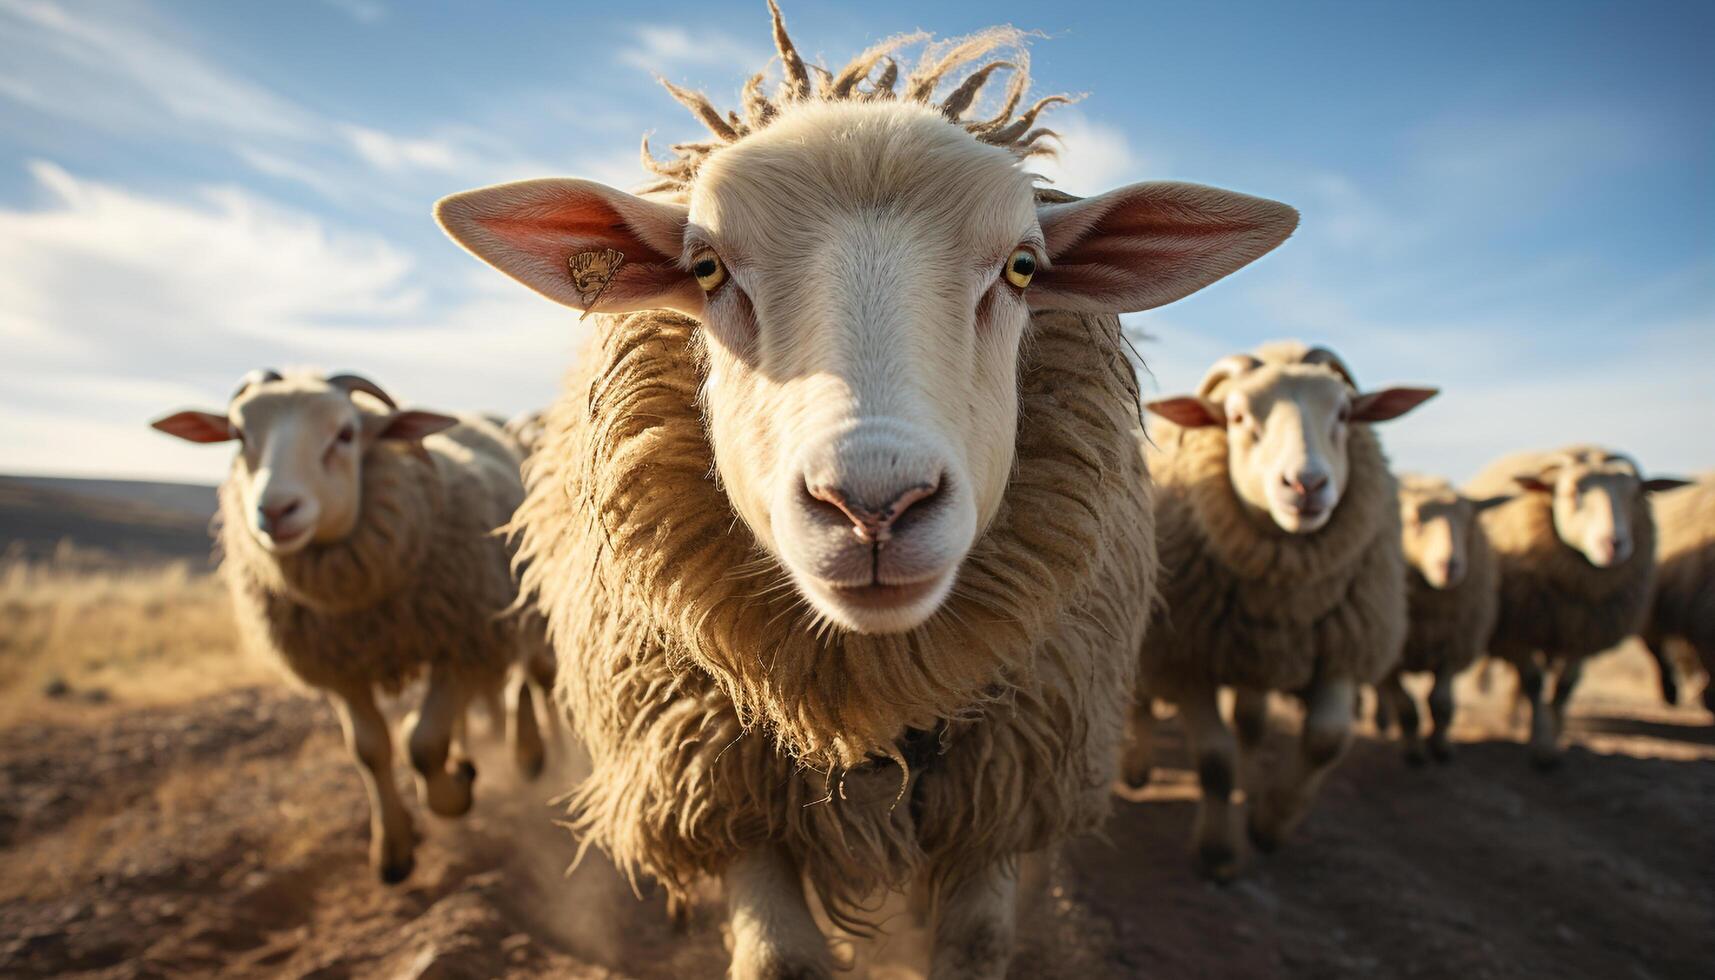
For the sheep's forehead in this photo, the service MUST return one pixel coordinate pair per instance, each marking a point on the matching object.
(1313, 389)
(826, 161)
(297, 403)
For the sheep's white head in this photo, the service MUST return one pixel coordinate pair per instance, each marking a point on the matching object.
(302, 441)
(1437, 523)
(1288, 412)
(865, 270)
(1593, 493)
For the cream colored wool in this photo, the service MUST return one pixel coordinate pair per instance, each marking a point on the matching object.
(1450, 627)
(716, 721)
(1684, 600)
(423, 579)
(1551, 598)
(1244, 603)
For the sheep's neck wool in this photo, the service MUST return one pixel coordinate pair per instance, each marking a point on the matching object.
(715, 720)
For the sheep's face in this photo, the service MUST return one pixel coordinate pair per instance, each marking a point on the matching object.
(1288, 428)
(1592, 504)
(300, 461)
(1437, 525)
(865, 274)
(862, 393)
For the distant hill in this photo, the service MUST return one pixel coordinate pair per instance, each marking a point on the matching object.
(130, 519)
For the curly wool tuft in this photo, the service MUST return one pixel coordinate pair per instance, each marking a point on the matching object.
(871, 77)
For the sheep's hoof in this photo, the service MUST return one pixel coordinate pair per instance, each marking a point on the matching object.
(1265, 840)
(1441, 751)
(393, 872)
(1218, 862)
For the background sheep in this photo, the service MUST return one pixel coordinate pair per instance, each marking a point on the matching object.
(1453, 581)
(905, 660)
(1279, 536)
(1577, 558)
(1683, 606)
(358, 544)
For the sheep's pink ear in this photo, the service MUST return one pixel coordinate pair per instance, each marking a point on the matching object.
(412, 425)
(1489, 503)
(1663, 483)
(1148, 244)
(1536, 482)
(1389, 403)
(193, 426)
(578, 242)
(1188, 411)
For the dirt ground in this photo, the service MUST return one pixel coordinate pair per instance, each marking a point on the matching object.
(224, 835)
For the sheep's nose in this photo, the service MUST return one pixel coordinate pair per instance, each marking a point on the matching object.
(874, 525)
(271, 513)
(1451, 570)
(1305, 484)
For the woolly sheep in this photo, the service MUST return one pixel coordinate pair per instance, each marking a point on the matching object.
(1278, 527)
(1577, 559)
(843, 575)
(1452, 599)
(1683, 605)
(358, 545)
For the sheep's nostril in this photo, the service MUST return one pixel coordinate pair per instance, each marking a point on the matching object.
(874, 525)
(273, 513)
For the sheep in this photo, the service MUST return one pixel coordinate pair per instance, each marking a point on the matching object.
(1683, 605)
(842, 573)
(357, 543)
(1453, 601)
(1279, 536)
(1577, 559)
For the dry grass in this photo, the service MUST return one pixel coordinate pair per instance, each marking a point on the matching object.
(103, 632)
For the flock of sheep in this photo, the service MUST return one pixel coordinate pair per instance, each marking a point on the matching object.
(846, 543)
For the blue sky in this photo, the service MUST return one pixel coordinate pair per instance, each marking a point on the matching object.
(1513, 201)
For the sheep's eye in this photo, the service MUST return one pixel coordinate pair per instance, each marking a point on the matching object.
(1021, 267)
(708, 269)
(1345, 415)
(346, 435)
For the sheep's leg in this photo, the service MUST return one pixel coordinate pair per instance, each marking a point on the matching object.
(1657, 648)
(1384, 718)
(773, 934)
(1393, 690)
(1138, 763)
(445, 781)
(1571, 672)
(975, 925)
(1327, 734)
(1531, 683)
(525, 737)
(1441, 714)
(1250, 723)
(391, 836)
(1215, 836)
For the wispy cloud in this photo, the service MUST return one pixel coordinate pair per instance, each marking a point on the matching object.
(362, 11)
(1094, 156)
(116, 305)
(668, 49)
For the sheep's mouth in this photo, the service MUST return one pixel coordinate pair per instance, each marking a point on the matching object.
(880, 595)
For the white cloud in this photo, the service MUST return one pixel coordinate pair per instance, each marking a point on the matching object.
(362, 11)
(116, 306)
(662, 49)
(98, 71)
(1095, 157)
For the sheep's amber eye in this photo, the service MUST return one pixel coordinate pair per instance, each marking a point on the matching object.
(707, 267)
(1020, 267)
(346, 434)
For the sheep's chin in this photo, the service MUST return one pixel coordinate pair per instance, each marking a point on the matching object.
(854, 610)
(1293, 522)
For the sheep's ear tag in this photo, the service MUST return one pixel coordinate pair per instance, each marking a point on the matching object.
(592, 273)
